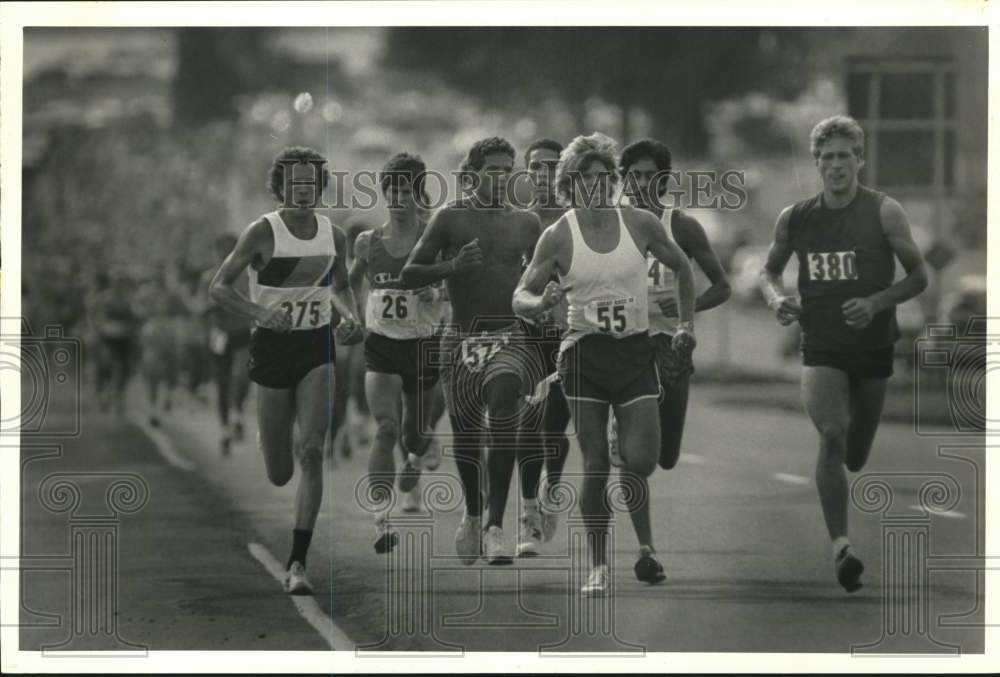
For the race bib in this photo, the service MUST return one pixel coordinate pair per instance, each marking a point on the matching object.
(659, 278)
(617, 317)
(478, 351)
(832, 266)
(303, 314)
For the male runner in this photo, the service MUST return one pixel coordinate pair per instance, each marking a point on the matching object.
(401, 322)
(116, 324)
(600, 253)
(229, 344)
(540, 513)
(483, 241)
(645, 167)
(159, 347)
(297, 275)
(845, 239)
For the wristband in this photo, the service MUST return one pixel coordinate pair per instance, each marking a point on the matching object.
(686, 326)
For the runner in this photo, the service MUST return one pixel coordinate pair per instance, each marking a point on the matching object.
(845, 239)
(229, 345)
(539, 505)
(158, 346)
(606, 358)
(400, 321)
(116, 325)
(483, 240)
(297, 274)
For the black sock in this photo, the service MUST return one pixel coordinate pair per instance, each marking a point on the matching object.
(300, 544)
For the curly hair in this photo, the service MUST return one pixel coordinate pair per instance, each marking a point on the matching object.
(403, 168)
(838, 125)
(291, 156)
(655, 150)
(579, 154)
(476, 157)
(547, 144)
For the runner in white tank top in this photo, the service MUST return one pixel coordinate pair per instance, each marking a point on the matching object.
(296, 258)
(599, 254)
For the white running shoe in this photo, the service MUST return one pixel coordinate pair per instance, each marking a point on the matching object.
(494, 547)
(614, 453)
(432, 457)
(598, 582)
(413, 500)
(469, 539)
(296, 582)
(530, 537)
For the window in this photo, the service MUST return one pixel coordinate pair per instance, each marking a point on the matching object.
(907, 109)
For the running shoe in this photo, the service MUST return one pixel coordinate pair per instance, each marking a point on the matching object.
(849, 569)
(614, 453)
(409, 475)
(469, 539)
(385, 538)
(432, 457)
(412, 500)
(530, 536)
(296, 582)
(648, 569)
(598, 583)
(494, 547)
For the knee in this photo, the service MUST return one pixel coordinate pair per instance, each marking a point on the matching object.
(832, 434)
(311, 455)
(386, 430)
(279, 477)
(643, 467)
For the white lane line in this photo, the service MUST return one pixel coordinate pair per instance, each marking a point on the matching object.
(162, 444)
(692, 459)
(790, 479)
(306, 605)
(952, 514)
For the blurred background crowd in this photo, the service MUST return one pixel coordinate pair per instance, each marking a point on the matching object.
(142, 146)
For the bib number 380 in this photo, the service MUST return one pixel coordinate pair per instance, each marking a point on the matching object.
(832, 266)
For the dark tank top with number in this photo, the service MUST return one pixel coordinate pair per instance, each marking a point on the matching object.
(394, 310)
(843, 254)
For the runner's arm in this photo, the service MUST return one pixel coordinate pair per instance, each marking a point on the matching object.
(700, 249)
(360, 266)
(222, 289)
(672, 256)
(343, 295)
(896, 227)
(777, 258)
(423, 268)
(535, 292)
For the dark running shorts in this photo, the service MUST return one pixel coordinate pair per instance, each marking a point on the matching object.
(409, 358)
(281, 360)
(471, 363)
(865, 364)
(599, 368)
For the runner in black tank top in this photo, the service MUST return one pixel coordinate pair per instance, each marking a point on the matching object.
(401, 322)
(845, 239)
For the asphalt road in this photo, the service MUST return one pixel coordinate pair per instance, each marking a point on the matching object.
(737, 524)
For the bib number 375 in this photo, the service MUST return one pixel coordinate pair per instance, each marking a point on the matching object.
(302, 312)
(832, 266)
